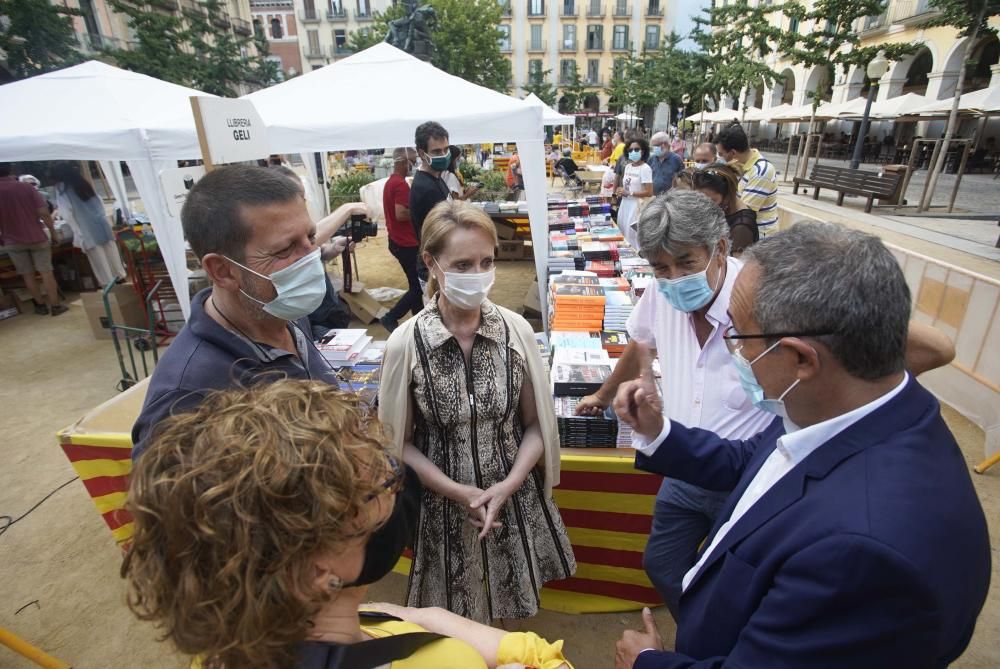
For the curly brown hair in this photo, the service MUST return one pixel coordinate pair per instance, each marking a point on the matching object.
(233, 502)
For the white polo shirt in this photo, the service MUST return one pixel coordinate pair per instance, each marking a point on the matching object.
(700, 386)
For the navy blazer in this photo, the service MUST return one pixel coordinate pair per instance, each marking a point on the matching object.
(871, 552)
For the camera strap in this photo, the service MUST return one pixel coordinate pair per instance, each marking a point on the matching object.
(345, 258)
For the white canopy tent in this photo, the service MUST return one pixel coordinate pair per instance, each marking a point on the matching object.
(986, 101)
(901, 105)
(549, 115)
(94, 111)
(377, 98)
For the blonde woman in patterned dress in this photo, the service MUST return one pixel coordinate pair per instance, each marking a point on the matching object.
(466, 396)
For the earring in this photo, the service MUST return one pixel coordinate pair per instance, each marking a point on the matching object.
(335, 584)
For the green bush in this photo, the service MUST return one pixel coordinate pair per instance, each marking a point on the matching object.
(494, 186)
(469, 171)
(347, 187)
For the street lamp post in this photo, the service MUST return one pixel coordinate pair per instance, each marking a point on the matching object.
(876, 68)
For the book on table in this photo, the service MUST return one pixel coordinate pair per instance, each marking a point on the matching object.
(577, 380)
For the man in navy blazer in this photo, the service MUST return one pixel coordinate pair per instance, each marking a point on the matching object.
(853, 536)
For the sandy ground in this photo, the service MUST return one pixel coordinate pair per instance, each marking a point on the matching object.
(59, 565)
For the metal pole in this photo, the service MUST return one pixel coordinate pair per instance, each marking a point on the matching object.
(863, 132)
(958, 175)
(914, 152)
(925, 202)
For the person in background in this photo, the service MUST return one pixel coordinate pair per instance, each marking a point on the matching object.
(515, 175)
(428, 186)
(453, 177)
(23, 210)
(260, 521)
(403, 242)
(81, 208)
(636, 185)
(663, 162)
(606, 148)
(466, 397)
(853, 535)
(569, 166)
(35, 183)
(705, 155)
(720, 183)
(678, 145)
(251, 231)
(592, 138)
(619, 142)
(759, 181)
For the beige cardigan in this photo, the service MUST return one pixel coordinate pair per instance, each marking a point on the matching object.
(397, 373)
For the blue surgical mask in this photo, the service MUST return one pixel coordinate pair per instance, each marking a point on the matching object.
(754, 390)
(657, 151)
(689, 293)
(301, 287)
(440, 163)
(634, 155)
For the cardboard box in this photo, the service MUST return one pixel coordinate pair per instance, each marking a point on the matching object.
(505, 229)
(363, 306)
(532, 302)
(126, 309)
(512, 249)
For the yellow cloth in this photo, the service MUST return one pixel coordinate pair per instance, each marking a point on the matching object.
(445, 653)
(531, 650)
(617, 152)
(557, 138)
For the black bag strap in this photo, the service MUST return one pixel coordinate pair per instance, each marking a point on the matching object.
(367, 654)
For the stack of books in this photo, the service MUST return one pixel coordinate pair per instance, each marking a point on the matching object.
(578, 379)
(349, 347)
(576, 303)
(565, 260)
(584, 431)
(617, 309)
(614, 342)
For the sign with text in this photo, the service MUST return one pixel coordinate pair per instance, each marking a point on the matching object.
(230, 131)
(176, 183)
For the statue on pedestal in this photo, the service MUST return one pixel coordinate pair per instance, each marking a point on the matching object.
(412, 32)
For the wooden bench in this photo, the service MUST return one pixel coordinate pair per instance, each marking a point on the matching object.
(850, 182)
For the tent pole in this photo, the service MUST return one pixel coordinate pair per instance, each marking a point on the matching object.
(914, 151)
(967, 144)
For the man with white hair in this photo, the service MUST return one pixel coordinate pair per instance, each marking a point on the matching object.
(664, 163)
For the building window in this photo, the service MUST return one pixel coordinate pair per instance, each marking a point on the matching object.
(364, 8)
(504, 37)
(535, 68)
(595, 38)
(793, 25)
(313, 41)
(569, 36)
(620, 38)
(340, 39)
(310, 9)
(652, 37)
(276, 30)
(569, 7)
(567, 68)
(258, 29)
(593, 71)
(536, 36)
(536, 7)
(618, 69)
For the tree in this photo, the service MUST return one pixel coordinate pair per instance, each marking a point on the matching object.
(538, 83)
(466, 40)
(573, 91)
(624, 89)
(196, 50)
(833, 40)
(970, 18)
(670, 73)
(38, 37)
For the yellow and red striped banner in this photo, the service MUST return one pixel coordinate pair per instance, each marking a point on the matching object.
(103, 462)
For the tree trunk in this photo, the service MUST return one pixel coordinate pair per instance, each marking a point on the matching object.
(938, 165)
(803, 168)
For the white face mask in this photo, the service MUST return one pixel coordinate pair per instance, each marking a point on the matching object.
(301, 287)
(466, 290)
(701, 166)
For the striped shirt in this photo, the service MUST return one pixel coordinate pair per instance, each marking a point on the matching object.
(759, 190)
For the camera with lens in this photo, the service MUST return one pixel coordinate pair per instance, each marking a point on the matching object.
(357, 228)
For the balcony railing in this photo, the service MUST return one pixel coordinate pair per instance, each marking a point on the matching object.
(313, 51)
(654, 11)
(595, 9)
(505, 8)
(568, 10)
(221, 19)
(568, 45)
(94, 42)
(192, 8)
(336, 14)
(270, 3)
(911, 11)
(622, 9)
(505, 46)
(536, 10)
(364, 18)
(871, 24)
(167, 6)
(309, 16)
(595, 45)
(536, 47)
(242, 27)
(620, 46)
(340, 51)
(594, 81)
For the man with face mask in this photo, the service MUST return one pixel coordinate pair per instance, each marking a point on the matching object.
(404, 244)
(705, 155)
(759, 183)
(664, 163)
(251, 230)
(853, 536)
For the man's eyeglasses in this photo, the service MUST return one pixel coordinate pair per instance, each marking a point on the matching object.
(734, 340)
(392, 484)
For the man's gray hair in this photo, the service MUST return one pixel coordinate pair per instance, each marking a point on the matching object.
(708, 146)
(659, 138)
(678, 220)
(821, 277)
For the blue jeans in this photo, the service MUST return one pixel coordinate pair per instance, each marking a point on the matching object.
(683, 517)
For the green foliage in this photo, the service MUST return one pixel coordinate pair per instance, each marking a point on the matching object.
(191, 50)
(347, 187)
(39, 37)
(573, 92)
(494, 186)
(665, 74)
(469, 170)
(965, 16)
(538, 83)
(466, 40)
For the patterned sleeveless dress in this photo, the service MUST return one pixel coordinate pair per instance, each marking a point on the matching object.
(467, 422)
